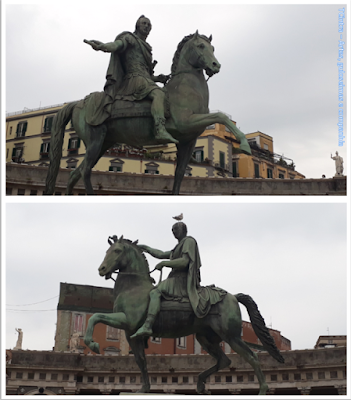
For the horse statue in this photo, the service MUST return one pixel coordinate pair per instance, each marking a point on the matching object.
(187, 117)
(131, 298)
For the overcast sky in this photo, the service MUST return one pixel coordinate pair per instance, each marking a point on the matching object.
(279, 70)
(291, 258)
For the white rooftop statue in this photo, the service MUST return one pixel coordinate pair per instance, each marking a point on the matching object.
(339, 164)
(19, 340)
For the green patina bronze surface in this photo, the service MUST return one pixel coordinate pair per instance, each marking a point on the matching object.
(176, 113)
(173, 308)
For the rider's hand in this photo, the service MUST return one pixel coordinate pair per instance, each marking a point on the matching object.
(159, 266)
(163, 78)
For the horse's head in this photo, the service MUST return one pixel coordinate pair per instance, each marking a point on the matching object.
(114, 259)
(122, 254)
(199, 53)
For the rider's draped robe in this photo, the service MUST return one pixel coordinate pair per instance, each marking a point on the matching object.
(128, 77)
(183, 284)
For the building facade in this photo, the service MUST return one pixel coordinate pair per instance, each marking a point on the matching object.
(77, 303)
(305, 372)
(216, 153)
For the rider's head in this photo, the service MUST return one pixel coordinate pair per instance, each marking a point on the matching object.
(143, 26)
(179, 230)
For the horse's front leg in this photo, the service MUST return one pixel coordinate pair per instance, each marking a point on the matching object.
(138, 345)
(200, 121)
(116, 320)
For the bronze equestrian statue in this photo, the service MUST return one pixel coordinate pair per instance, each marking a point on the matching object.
(177, 307)
(135, 111)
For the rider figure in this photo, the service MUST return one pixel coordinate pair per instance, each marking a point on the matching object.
(183, 282)
(130, 73)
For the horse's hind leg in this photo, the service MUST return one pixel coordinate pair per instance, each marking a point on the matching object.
(244, 350)
(93, 150)
(211, 345)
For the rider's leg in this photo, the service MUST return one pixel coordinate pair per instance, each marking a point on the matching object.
(158, 112)
(153, 310)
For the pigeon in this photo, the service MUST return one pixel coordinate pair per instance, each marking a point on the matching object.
(178, 217)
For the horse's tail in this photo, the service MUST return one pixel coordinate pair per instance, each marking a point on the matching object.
(59, 123)
(259, 326)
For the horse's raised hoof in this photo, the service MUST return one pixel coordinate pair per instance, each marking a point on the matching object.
(95, 347)
(245, 148)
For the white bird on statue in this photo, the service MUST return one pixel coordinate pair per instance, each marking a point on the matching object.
(178, 217)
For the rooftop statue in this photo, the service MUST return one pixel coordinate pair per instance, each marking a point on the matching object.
(142, 309)
(339, 164)
(19, 339)
(135, 111)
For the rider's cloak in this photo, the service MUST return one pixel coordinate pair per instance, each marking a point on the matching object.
(128, 77)
(184, 285)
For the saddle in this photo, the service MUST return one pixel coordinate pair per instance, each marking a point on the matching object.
(99, 108)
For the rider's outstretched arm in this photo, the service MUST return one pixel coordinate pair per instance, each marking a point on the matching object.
(106, 47)
(155, 253)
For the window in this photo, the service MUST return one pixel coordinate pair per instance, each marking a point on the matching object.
(297, 377)
(8, 191)
(72, 163)
(309, 375)
(235, 169)
(116, 165)
(7, 152)
(217, 378)
(30, 375)
(174, 379)
(17, 152)
(33, 192)
(42, 375)
(265, 146)
(155, 339)
(181, 342)
(154, 379)
(73, 145)
(111, 379)
(112, 333)
(21, 192)
(321, 375)
(221, 159)
(10, 133)
(122, 379)
(285, 377)
(78, 323)
(19, 375)
(44, 150)
(21, 129)
(133, 379)
(228, 379)
(164, 379)
(101, 379)
(240, 378)
(90, 379)
(269, 173)
(54, 377)
(251, 378)
(152, 168)
(281, 175)
(257, 170)
(65, 377)
(213, 126)
(274, 378)
(333, 374)
(198, 155)
(48, 124)
(185, 379)
(188, 171)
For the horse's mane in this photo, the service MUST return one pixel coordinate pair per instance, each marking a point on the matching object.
(180, 48)
(134, 246)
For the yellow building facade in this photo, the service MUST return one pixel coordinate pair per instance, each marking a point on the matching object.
(216, 152)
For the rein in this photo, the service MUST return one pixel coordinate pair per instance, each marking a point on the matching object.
(136, 273)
